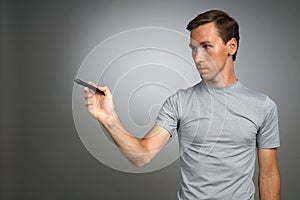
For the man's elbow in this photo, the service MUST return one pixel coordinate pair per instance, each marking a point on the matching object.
(145, 157)
(141, 162)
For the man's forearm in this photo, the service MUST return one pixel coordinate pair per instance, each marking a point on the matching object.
(269, 186)
(129, 145)
(101, 107)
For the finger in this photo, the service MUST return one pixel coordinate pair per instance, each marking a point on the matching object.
(89, 95)
(105, 89)
(91, 83)
(87, 98)
(87, 91)
(88, 104)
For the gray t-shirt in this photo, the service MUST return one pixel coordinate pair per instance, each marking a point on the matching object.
(218, 131)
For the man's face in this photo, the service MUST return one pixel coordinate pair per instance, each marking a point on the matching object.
(209, 52)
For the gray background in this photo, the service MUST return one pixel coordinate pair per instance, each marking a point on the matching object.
(42, 46)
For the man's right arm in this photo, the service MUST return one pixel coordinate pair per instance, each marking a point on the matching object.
(138, 151)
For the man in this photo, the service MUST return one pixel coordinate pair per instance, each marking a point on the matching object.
(220, 123)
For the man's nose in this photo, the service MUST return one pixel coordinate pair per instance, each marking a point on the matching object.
(199, 56)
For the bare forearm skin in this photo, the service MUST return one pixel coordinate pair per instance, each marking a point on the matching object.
(269, 185)
(128, 144)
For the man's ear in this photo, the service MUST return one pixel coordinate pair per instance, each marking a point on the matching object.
(232, 46)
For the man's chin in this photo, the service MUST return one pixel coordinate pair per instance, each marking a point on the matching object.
(204, 77)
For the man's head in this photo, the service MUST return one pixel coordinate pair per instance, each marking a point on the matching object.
(214, 42)
(226, 26)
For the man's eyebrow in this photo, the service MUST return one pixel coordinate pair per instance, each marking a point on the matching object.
(201, 43)
(205, 42)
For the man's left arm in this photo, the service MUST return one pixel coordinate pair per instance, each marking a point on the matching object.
(269, 176)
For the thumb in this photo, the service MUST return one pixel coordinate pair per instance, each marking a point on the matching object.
(93, 84)
(106, 90)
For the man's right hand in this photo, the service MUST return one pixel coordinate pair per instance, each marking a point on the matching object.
(101, 107)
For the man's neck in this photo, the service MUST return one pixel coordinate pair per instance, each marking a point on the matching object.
(225, 78)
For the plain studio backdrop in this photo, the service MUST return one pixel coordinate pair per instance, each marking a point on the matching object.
(43, 44)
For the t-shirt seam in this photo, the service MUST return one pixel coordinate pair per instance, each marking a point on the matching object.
(179, 110)
(274, 145)
(263, 114)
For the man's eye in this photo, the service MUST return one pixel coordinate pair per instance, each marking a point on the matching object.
(206, 46)
(194, 48)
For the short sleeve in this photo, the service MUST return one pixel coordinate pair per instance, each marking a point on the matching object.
(268, 133)
(167, 117)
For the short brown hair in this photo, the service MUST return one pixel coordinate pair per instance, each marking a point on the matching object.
(227, 27)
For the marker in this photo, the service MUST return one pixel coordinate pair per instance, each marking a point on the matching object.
(94, 89)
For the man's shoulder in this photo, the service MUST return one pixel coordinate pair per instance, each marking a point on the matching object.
(257, 99)
(185, 92)
(251, 93)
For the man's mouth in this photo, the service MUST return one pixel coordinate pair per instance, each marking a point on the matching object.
(202, 69)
